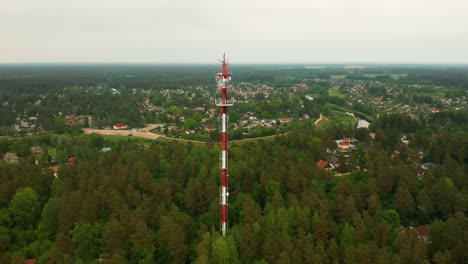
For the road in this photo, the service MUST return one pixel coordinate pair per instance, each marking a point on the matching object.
(149, 127)
(320, 119)
(149, 135)
(109, 132)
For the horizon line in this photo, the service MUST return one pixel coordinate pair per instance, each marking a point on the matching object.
(355, 63)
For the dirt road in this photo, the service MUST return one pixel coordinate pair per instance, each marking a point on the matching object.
(149, 135)
(109, 132)
(320, 119)
(149, 127)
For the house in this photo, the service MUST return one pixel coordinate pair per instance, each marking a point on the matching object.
(55, 170)
(422, 232)
(210, 128)
(343, 146)
(36, 150)
(285, 120)
(427, 165)
(321, 164)
(71, 122)
(120, 126)
(346, 144)
(333, 161)
(350, 140)
(71, 160)
(106, 149)
(73, 119)
(212, 112)
(115, 91)
(30, 261)
(404, 140)
(11, 158)
(24, 124)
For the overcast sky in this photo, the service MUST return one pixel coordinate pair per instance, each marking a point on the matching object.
(249, 31)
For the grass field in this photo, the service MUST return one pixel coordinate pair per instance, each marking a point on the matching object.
(114, 139)
(355, 67)
(393, 76)
(436, 93)
(337, 118)
(343, 109)
(183, 141)
(248, 140)
(338, 76)
(322, 123)
(313, 67)
(334, 92)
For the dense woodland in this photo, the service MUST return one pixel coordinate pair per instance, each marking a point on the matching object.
(158, 201)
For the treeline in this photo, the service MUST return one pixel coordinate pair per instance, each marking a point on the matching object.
(451, 77)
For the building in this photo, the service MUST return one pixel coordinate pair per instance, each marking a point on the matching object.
(71, 160)
(422, 232)
(321, 164)
(343, 146)
(120, 126)
(11, 158)
(333, 161)
(55, 169)
(346, 144)
(210, 128)
(36, 150)
(285, 120)
(428, 165)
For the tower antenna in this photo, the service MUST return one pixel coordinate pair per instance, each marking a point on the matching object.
(223, 80)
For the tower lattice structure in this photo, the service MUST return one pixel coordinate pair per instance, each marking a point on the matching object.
(223, 80)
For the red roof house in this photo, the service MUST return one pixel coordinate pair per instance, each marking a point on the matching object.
(343, 145)
(210, 128)
(422, 232)
(322, 164)
(285, 120)
(120, 126)
(30, 261)
(71, 161)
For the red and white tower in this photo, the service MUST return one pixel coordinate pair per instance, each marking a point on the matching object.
(223, 79)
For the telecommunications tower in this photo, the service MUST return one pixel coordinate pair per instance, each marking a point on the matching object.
(223, 79)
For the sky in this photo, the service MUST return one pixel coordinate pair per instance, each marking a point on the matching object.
(249, 31)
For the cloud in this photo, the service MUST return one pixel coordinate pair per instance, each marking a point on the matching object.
(249, 30)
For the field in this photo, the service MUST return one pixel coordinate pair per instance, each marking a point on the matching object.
(393, 76)
(314, 67)
(344, 110)
(145, 142)
(335, 92)
(338, 76)
(147, 138)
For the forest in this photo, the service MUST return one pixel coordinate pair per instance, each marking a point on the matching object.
(158, 202)
(399, 196)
